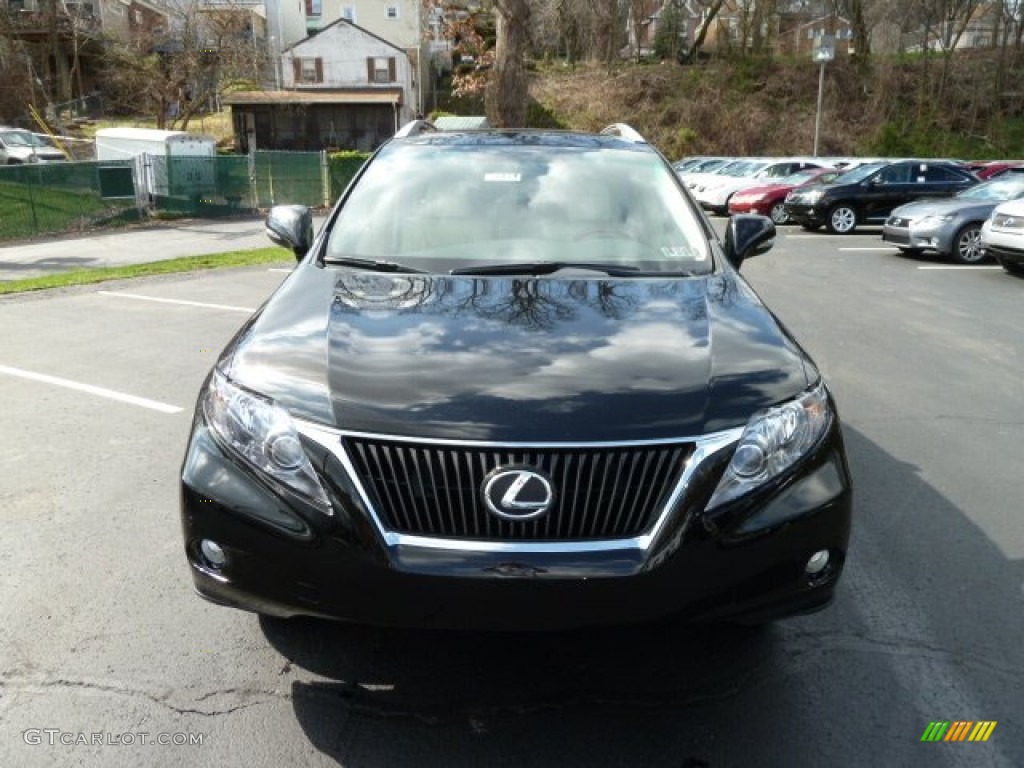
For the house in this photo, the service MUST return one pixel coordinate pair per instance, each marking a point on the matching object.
(798, 35)
(342, 87)
(644, 18)
(983, 27)
(403, 23)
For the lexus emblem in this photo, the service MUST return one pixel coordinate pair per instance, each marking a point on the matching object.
(517, 493)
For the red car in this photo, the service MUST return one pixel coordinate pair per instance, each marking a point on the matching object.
(985, 169)
(768, 199)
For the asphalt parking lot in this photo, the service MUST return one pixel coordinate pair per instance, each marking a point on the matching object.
(100, 632)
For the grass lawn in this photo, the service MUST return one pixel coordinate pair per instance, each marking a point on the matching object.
(55, 210)
(185, 264)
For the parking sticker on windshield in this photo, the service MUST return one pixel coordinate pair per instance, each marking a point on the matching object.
(506, 177)
(681, 252)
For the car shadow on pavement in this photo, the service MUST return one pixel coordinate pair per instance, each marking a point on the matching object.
(54, 263)
(926, 625)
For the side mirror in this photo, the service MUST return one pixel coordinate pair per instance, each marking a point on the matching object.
(291, 226)
(748, 235)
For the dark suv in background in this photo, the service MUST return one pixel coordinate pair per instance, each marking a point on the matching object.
(868, 194)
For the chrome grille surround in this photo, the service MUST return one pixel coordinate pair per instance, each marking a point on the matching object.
(694, 451)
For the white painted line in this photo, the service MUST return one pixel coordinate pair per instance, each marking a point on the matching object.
(110, 394)
(883, 248)
(275, 269)
(140, 297)
(962, 266)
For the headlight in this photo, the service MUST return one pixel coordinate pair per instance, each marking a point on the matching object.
(264, 435)
(813, 196)
(934, 221)
(773, 441)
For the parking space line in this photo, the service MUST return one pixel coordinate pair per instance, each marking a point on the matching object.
(278, 269)
(875, 248)
(140, 297)
(110, 394)
(961, 266)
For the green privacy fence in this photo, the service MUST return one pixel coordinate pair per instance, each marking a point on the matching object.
(62, 197)
(65, 197)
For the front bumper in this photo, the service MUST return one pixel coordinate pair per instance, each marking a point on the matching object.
(746, 206)
(746, 562)
(803, 213)
(915, 237)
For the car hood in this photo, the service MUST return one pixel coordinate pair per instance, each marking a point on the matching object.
(944, 207)
(518, 359)
(763, 189)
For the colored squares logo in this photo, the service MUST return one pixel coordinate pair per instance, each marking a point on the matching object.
(958, 730)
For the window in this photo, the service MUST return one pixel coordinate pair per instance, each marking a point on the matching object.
(381, 69)
(313, 7)
(895, 174)
(392, 12)
(348, 13)
(309, 70)
(938, 173)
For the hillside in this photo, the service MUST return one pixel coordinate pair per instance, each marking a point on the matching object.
(906, 106)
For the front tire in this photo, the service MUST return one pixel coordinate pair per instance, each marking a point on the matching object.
(842, 219)
(967, 247)
(778, 214)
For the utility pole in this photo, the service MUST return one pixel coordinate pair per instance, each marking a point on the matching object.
(824, 52)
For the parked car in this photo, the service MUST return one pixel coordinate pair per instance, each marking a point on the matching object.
(868, 193)
(951, 227)
(769, 199)
(1002, 236)
(544, 398)
(986, 169)
(701, 174)
(18, 146)
(715, 195)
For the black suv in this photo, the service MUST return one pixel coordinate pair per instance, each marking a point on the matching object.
(868, 193)
(516, 381)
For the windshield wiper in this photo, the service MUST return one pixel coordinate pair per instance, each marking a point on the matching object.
(550, 267)
(375, 265)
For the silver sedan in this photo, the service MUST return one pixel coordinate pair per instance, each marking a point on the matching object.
(951, 227)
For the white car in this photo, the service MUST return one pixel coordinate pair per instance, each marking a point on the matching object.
(1003, 236)
(19, 146)
(715, 195)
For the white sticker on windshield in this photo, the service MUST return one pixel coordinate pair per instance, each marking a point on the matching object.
(506, 177)
(680, 252)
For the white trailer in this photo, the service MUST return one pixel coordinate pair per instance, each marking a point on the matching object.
(167, 163)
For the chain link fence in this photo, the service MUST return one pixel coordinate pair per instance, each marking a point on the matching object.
(65, 197)
(39, 199)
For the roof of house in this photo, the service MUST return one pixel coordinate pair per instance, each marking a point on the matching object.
(350, 96)
(342, 23)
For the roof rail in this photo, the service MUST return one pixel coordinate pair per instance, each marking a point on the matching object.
(415, 128)
(624, 131)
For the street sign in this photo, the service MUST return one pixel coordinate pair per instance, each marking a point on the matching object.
(824, 49)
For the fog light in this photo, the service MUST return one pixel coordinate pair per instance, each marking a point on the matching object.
(213, 554)
(817, 563)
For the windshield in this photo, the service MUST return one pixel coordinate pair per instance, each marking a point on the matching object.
(442, 207)
(1004, 188)
(801, 177)
(707, 166)
(859, 173)
(17, 139)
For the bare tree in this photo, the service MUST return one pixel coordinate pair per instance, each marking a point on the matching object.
(506, 96)
(176, 75)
